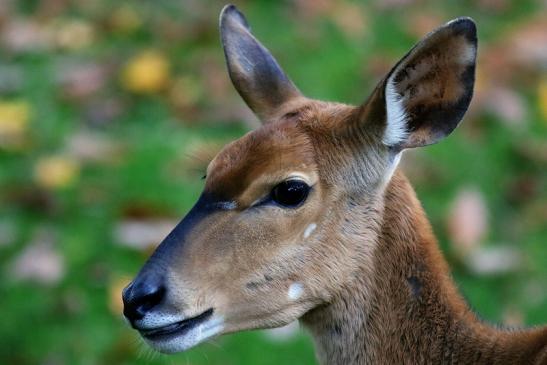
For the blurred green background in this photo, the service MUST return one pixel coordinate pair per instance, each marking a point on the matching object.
(110, 111)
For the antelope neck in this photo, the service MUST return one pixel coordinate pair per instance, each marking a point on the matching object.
(410, 312)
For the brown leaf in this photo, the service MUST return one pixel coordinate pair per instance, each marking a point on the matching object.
(144, 234)
(507, 105)
(73, 34)
(528, 43)
(422, 23)
(25, 36)
(350, 18)
(81, 81)
(88, 146)
(467, 221)
(313, 8)
(40, 261)
(494, 260)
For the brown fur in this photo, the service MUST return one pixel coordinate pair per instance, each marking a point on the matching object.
(376, 287)
(413, 313)
(357, 262)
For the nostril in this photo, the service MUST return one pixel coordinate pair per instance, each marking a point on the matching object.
(152, 299)
(140, 298)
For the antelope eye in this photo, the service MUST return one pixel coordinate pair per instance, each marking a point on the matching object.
(290, 193)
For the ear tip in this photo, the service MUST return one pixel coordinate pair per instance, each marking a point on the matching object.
(465, 26)
(230, 13)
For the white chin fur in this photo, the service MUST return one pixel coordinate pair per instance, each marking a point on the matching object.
(193, 337)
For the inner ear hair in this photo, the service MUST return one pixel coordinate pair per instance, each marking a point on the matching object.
(428, 91)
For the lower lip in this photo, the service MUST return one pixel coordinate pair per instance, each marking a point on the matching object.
(177, 329)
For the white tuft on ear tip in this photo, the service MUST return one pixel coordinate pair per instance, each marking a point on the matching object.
(396, 129)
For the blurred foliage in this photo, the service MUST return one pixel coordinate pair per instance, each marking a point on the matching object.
(110, 110)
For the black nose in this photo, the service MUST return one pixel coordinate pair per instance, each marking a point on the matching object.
(139, 297)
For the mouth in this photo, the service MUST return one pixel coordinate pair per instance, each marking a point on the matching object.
(175, 329)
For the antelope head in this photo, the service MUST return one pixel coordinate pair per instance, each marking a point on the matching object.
(276, 232)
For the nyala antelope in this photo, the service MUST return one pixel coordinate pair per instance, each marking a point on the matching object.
(309, 218)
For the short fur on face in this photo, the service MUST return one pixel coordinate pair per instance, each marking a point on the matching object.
(258, 264)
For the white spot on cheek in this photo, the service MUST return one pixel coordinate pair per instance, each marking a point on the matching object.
(309, 230)
(295, 291)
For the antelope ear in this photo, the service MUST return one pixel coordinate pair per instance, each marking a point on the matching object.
(256, 75)
(428, 91)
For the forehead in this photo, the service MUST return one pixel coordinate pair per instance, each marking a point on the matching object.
(270, 152)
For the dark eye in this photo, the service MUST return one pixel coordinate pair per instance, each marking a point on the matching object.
(290, 193)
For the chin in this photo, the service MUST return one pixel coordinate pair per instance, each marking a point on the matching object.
(183, 337)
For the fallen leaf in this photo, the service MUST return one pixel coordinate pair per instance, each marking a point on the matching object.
(527, 43)
(143, 234)
(87, 146)
(40, 261)
(146, 73)
(25, 36)
(14, 121)
(73, 34)
(494, 260)
(82, 81)
(56, 172)
(421, 23)
(542, 98)
(115, 289)
(350, 18)
(313, 8)
(507, 105)
(467, 220)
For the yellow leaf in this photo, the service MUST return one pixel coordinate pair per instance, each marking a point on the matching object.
(56, 172)
(146, 73)
(74, 34)
(542, 98)
(14, 120)
(115, 294)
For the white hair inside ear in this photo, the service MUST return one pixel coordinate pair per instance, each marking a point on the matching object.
(396, 128)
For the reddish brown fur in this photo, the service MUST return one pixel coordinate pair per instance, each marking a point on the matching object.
(357, 261)
(380, 245)
(400, 324)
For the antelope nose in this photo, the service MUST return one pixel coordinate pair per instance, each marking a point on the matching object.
(141, 296)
